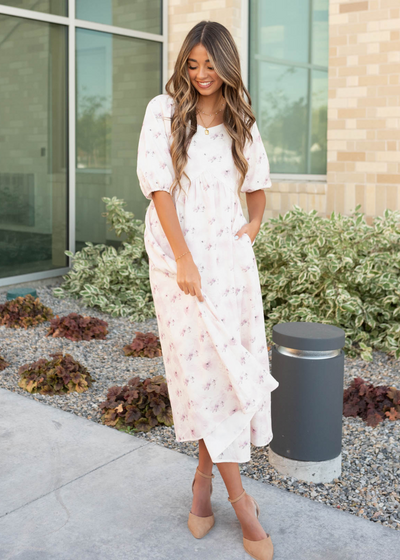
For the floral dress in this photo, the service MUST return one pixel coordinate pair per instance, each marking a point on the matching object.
(215, 351)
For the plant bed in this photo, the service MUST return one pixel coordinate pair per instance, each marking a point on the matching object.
(372, 403)
(368, 486)
(144, 345)
(139, 405)
(77, 327)
(24, 312)
(60, 375)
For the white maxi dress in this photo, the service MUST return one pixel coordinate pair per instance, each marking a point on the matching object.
(215, 351)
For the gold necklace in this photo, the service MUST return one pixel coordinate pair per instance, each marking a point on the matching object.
(206, 131)
(209, 115)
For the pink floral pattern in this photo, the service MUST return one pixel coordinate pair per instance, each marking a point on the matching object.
(215, 351)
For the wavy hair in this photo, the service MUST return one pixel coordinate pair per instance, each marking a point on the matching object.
(238, 116)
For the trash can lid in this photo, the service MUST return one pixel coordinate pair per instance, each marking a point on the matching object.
(308, 336)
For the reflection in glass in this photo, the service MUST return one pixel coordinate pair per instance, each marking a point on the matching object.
(320, 30)
(141, 15)
(318, 144)
(55, 7)
(33, 145)
(283, 29)
(115, 79)
(282, 115)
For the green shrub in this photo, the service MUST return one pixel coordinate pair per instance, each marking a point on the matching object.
(24, 312)
(145, 345)
(338, 270)
(77, 327)
(115, 280)
(139, 405)
(372, 403)
(60, 375)
(3, 363)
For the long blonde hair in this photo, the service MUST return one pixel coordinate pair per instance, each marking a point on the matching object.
(238, 116)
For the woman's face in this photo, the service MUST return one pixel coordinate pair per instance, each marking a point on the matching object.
(201, 73)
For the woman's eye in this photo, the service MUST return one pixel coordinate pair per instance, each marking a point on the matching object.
(195, 67)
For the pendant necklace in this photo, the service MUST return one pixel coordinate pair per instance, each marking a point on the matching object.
(206, 131)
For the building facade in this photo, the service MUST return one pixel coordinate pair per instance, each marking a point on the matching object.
(76, 75)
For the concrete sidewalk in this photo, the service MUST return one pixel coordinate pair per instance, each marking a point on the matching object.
(73, 489)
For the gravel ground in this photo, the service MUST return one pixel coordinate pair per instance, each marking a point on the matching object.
(369, 485)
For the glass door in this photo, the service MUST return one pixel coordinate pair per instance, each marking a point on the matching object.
(33, 146)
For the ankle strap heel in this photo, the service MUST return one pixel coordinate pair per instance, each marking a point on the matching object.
(238, 498)
(200, 526)
(257, 508)
(205, 475)
(260, 550)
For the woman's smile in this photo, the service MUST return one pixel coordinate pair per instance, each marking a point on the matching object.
(205, 84)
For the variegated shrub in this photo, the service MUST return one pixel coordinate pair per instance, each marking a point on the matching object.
(115, 280)
(337, 270)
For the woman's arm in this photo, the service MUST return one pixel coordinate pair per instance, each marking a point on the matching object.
(188, 276)
(256, 205)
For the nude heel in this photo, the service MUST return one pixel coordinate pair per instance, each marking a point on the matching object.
(260, 550)
(200, 526)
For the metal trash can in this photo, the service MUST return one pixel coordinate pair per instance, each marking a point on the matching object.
(307, 407)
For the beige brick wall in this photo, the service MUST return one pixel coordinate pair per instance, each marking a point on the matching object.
(363, 107)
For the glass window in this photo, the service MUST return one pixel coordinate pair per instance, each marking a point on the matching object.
(318, 145)
(289, 82)
(141, 15)
(115, 79)
(33, 145)
(282, 114)
(320, 33)
(55, 7)
(284, 29)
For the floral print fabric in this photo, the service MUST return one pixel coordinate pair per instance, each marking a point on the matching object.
(215, 351)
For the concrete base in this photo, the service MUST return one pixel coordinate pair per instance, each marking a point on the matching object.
(310, 471)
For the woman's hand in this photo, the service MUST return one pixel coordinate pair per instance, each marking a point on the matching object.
(252, 229)
(188, 276)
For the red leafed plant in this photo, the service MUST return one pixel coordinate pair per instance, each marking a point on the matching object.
(60, 375)
(76, 327)
(139, 405)
(372, 403)
(3, 363)
(24, 312)
(145, 345)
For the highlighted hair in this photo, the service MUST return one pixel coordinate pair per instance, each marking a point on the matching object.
(238, 116)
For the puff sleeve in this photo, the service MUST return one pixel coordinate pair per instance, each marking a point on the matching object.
(258, 174)
(154, 163)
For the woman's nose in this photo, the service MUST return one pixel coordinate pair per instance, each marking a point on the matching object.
(202, 73)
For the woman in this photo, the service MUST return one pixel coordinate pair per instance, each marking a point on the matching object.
(199, 148)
